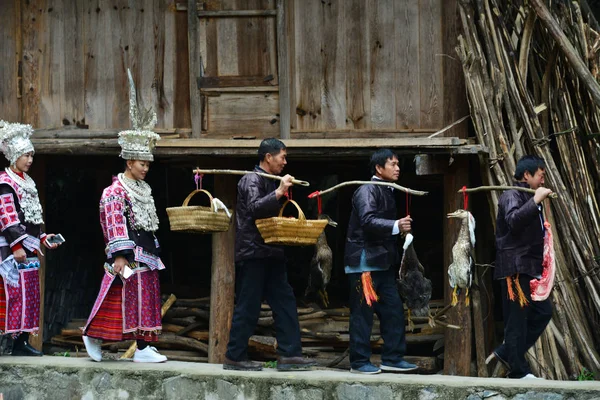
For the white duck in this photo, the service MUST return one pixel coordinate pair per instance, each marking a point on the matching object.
(460, 271)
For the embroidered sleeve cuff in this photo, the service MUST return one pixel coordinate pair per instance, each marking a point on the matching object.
(120, 245)
(16, 247)
(18, 240)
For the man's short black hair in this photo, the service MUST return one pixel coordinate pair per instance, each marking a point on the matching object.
(380, 157)
(270, 146)
(530, 164)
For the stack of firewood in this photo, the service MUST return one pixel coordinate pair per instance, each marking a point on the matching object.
(531, 71)
(325, 335)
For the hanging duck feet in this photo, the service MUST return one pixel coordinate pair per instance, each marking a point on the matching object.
(411, 325)
(431, 319)
(324, 297)
(454, 296)
(467, 298)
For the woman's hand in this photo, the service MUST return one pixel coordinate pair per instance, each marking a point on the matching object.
(48, 244)
(119, 264)
(20, 256)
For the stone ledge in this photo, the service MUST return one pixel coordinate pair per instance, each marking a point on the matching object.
(73, 378)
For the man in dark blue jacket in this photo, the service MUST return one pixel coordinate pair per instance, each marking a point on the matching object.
(260, 268)
(519, 251)
(372, 246)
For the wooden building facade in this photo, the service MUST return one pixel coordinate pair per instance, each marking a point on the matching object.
(334, 78)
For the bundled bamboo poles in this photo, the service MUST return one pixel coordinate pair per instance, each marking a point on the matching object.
(531, 77)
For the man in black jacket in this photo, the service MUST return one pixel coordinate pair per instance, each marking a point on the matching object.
(260, 268)
(519, 251)
(371, 246)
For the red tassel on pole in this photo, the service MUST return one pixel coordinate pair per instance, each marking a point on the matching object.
(368, 289)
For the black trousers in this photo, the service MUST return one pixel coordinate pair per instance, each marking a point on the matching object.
(390, 311)
(257, 280)
(522, 327)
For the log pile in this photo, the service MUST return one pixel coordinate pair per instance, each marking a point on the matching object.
(325, 335)
(531, 70)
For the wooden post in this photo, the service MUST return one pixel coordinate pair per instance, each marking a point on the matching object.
(283, 67)
(222, 285)
(480, 350)
(457, 350)
(38, 174)
(195, 69)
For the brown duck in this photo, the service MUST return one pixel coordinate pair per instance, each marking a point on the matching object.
(320, 266)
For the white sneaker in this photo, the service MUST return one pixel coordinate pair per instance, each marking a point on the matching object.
(531, 376)
(148, 355)
(92, 346)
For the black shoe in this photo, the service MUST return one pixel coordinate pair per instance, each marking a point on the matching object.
(24, 349)
(295, 363)
(245, 365)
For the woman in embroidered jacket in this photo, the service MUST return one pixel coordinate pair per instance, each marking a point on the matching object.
(20, 240)
(128, 307)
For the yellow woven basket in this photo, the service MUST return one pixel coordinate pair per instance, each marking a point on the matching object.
(290, 231)
(198, 219)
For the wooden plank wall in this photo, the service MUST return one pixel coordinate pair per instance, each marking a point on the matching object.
(240, 53)
(75, 59)
(357, 67)
(367, 65)
(9, 67)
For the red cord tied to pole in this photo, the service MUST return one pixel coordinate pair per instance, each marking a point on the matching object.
(408, 200)
(288, 194)
(465, 198)
(198, 179)
(319, 205)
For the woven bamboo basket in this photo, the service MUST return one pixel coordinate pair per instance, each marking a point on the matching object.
(198, 219)
(290, 231)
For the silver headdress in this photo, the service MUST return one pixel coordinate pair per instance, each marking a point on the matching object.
(139, 143)
(14, 140)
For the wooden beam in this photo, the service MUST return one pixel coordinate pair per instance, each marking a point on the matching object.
(283, 66)
(319, 143)
(236, 13)
(233, 81)
(80, 133)
(338, 148)
(245, 89)
(222, 286)
(195, 71)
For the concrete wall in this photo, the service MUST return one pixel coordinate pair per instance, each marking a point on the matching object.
(59, 378)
